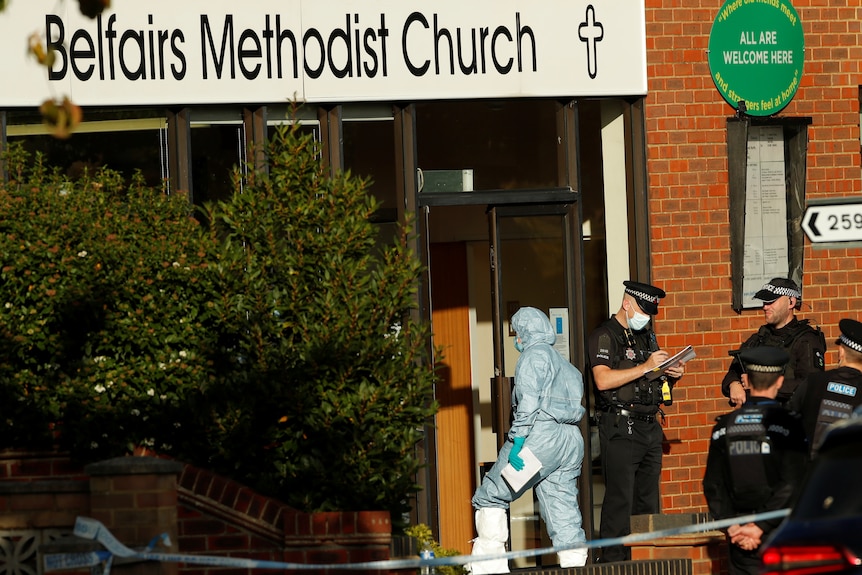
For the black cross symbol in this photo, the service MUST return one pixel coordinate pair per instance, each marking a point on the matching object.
(591, 33)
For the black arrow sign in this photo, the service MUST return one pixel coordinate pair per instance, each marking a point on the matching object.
(811, 225)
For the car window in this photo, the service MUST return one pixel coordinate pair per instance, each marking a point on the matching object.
(832, 489)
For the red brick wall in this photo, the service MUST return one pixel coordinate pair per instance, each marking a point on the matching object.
(214, 515)
(221, 517)
(28, 466)
(687, 167)
(707, 551)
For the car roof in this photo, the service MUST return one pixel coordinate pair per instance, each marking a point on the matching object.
(843, 431)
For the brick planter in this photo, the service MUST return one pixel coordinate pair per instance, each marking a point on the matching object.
(137, 498)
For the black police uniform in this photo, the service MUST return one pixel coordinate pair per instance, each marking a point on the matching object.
(826, 397)
(805, 344)
(630, 433)
(756, 461)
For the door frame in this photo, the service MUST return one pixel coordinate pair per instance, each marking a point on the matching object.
(501, 392)
(564, 201)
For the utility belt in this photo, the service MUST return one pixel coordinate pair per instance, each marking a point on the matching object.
(623, 412)
(640, 392)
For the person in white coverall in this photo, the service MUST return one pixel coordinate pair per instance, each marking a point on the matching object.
(546, 401)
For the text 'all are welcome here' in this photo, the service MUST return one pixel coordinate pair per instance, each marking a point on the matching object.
(754, 46)
(757, 53)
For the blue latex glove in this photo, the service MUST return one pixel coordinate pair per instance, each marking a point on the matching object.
(514, 458)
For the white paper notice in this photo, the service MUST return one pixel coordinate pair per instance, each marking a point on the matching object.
(766, 249)
(518, 479)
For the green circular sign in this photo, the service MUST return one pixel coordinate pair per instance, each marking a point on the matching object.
(756, 53)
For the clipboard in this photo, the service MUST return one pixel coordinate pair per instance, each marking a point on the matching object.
(683, 356)
(518, 479)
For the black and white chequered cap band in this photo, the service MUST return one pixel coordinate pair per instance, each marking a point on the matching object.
(642, 295)
(780, 291)
(850, 343)
(764, 368)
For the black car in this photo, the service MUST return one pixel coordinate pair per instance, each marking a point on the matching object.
(823, 533)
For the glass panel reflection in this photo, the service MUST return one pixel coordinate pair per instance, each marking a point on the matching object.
(123, 150)
(216, 150)
(532, 269)
(369, 152)
(504, 145)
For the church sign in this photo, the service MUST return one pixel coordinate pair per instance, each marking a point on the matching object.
(756, 54)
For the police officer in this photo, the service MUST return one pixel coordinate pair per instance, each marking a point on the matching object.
(757, 458)
(630, 435)
(826, 397)
(804, 343)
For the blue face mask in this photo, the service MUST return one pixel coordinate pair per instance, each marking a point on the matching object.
(638, 321)
(518, 345)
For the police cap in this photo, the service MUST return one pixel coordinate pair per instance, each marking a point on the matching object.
(647, 296)
(851, 334)
(778, 287)
(764, 359)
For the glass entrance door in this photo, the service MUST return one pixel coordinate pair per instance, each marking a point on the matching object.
(485, 262)
(532, 257)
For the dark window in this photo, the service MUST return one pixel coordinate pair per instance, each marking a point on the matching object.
(109, 139)
(216, 150)
(369, 152)
(504, 145)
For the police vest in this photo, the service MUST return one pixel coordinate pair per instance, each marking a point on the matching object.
(838, 402)
(630, 351)
(766, 337)
(753, 466)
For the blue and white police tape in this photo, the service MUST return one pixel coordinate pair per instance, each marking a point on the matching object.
(88, 528)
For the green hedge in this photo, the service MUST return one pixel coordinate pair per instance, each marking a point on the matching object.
(273, 344)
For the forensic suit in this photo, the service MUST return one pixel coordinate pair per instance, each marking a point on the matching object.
(546, 402)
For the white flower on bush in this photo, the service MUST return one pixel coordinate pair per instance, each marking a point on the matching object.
(82, 254)
(100, 388)
(99, 359)
(151, 392)
(136, 412)
(162, 365)
(395, 329)
(183, 353)
(8, 305)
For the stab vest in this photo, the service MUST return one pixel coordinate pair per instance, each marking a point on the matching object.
(753, 467)
(766, 337)
(838, 399)
(640, 391)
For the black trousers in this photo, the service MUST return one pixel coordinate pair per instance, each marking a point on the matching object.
(631, 466)
(743, 562)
